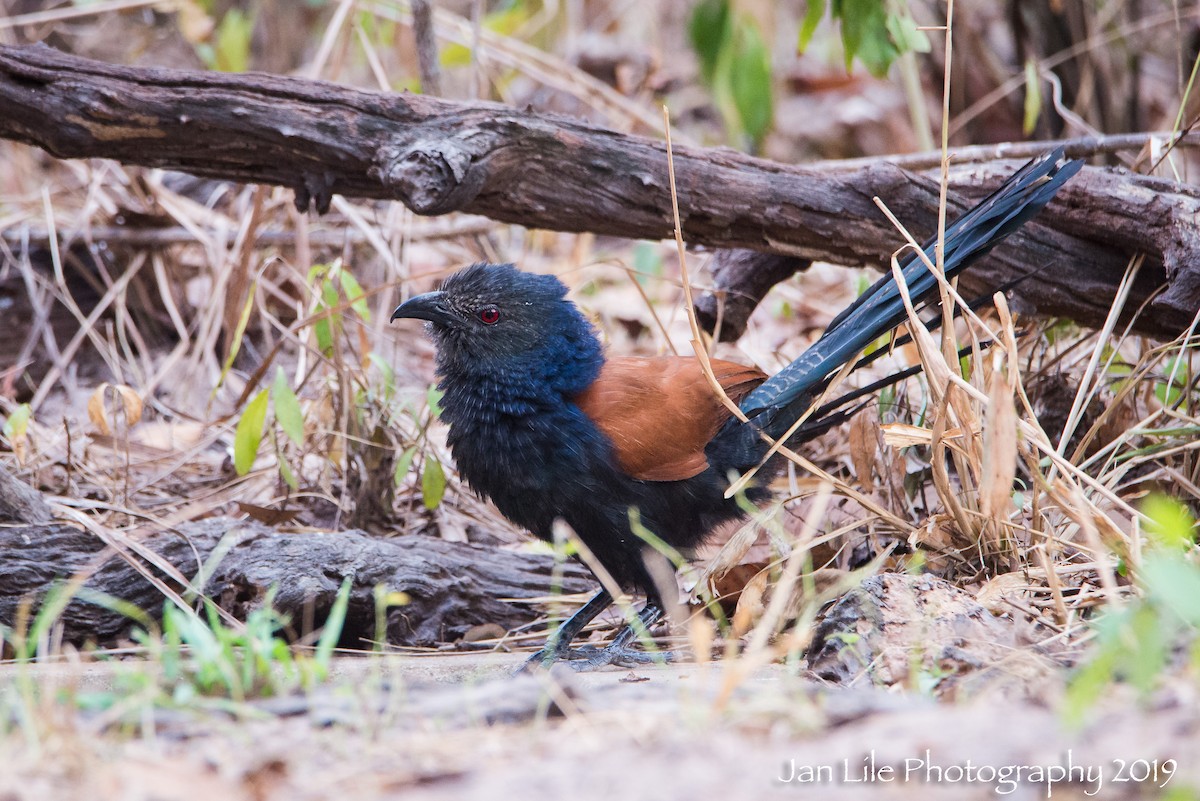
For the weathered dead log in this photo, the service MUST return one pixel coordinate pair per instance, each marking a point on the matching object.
(451, 586)
(545, 171)
(19, 502)
(897, 627)
(741, 278)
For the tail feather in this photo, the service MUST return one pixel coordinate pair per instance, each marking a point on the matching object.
(934, 323)
(775, 405)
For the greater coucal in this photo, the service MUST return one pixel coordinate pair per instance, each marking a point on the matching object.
(548, 427)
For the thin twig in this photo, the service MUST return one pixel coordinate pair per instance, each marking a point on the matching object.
(427, 50)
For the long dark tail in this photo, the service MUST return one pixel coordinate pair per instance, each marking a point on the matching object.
(775, 406)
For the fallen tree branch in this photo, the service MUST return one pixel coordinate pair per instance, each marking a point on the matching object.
(545, 171)
(451, 587)
(1081, 147)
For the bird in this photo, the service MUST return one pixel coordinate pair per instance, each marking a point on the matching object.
(549, 427)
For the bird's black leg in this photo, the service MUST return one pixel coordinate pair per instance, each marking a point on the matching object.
(618, 651)
(559, 644)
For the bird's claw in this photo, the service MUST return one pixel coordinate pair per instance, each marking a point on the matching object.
(587, 658)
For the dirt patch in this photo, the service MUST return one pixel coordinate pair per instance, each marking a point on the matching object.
(455, 727)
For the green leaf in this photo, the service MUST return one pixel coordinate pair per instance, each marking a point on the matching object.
(1033, 97)
(710, 29)
(329, 295)
(248, 435)
(1168, 393)
(906, 35)
(434, 398)
(1173, 584)
(647, 262)
(285, 472)
(1087, 685)
(505, 22)
(876, 32)
(317, 272)
(750, 82)
(331, 632)
(433, 483)
(323, 328)
(288, 413)
(1169, 524)
(17, 424)
(865, 35)
(1143, 648)
(232, 50)
(354, 294)
(236, 343)
(387, 371)
(812, 18)
(403, 464)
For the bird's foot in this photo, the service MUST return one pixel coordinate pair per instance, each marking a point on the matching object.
(587, 658)
(617, 653)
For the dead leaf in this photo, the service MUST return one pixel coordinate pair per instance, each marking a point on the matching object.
(170, 436)
(731, 553)
(862, 442)
(750, 605)
(995, 590)
(940, 533)
(263, 514)
(727, 586)
(484, 631)
(903, 435)
(999, 445)
(193, 24)
(97, 409)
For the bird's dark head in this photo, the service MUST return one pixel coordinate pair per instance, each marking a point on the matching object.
(496, 319)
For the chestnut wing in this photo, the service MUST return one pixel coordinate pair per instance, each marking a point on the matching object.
(660, 412)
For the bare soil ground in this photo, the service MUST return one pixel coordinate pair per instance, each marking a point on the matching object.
(460, 726)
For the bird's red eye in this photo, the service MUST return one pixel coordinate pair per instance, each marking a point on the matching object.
(489, 315)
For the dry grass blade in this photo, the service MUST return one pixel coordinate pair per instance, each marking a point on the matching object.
(999, 449)
(698, 345)
(87, 323)
(757, 652)
(563, 533)
(1088, 383)
(75, 12)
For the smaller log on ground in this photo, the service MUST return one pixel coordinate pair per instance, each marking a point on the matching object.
(451, 587)
(741, 279)
(904, 629)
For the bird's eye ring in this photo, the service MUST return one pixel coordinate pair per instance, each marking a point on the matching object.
(489, 315)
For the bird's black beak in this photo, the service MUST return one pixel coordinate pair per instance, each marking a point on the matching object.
(431, 306)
